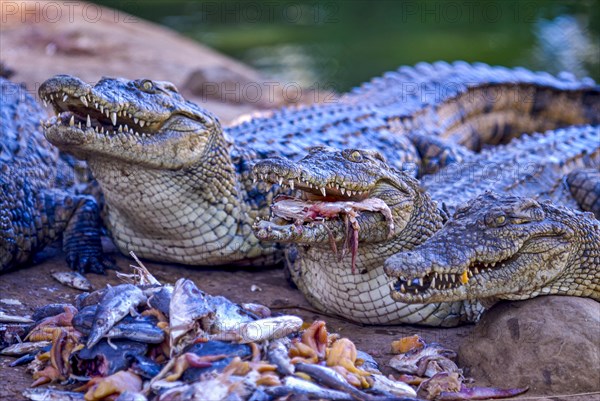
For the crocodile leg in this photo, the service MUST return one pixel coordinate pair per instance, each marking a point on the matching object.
(584, 185)
(436, 153)
(77, 217)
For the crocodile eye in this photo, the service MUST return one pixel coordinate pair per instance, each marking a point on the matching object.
(354, 156)
(495, 220)
(147, 85)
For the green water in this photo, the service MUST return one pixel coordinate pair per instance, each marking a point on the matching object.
(340, 44)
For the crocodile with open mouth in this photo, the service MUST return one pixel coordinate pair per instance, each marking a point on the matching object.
(178, 186)
(38, 202)
(318, 227)
(506, 247)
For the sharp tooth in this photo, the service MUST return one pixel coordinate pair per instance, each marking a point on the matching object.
(65, 97)
(475, 270)
(136, 120)
(107, 112)
(45, 103)
(453, 278)
(113, 118)
(342, 190)
(52, 96)
(493, 264)
(96, 105)
(97, 129)
(280, 180)
(349, 193)
(291, 184)
(402, 288)
(101, 109)
(432, 283)
(72, 121)
(126, 128)
(84, 101)
(129, 115)
(89, 122)
(323, 191)
(120, 128)
(79, 124)
(142, 123)
(131, 131)
(120, 113)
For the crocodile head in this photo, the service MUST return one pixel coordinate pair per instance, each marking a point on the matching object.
(142, 122)
(494, 247)
(341, 196)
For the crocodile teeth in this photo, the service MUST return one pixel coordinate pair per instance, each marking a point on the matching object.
(97, 129)
(402, 288)
(84, 101)
(136, 120)
(120, 128)
(349, 193)
(323, 191)
(65, 97)
(131, 132)
(343, 190)
(88, 123)
(96, 105)
(45, 103)
(433, 282)
(79, 124)
(475, 270)
(142, 123)
(453, 278)
(280, 180)
(113, 118)
(291, 182)
(72, 121)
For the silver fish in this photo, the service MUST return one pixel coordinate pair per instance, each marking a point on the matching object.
(137, 331)
(295, 385)
(269, 328)
(24, 348)
(278, 355)
(116, 303)
(385, 385)
(228, 315)
(188, 306)
(73, 280)
(46, 394)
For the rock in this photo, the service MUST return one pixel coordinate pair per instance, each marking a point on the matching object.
(551, 344)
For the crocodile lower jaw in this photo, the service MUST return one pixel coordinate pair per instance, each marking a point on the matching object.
(437, 286)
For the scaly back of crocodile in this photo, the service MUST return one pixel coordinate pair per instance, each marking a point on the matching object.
(469, 104)
(531, 166)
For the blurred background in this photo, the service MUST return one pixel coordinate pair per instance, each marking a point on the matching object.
(339, 44)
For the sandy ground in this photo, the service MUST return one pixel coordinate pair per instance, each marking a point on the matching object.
(34, 287)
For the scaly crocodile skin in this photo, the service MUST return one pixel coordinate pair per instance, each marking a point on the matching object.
(178, 186)
(36, 206)
(533, 166)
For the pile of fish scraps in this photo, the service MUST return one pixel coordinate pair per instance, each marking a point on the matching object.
(146, 341)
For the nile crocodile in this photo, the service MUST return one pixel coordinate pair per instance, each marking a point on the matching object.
(178, 187)
(506, 247)
(320, 226)
(35, 205)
